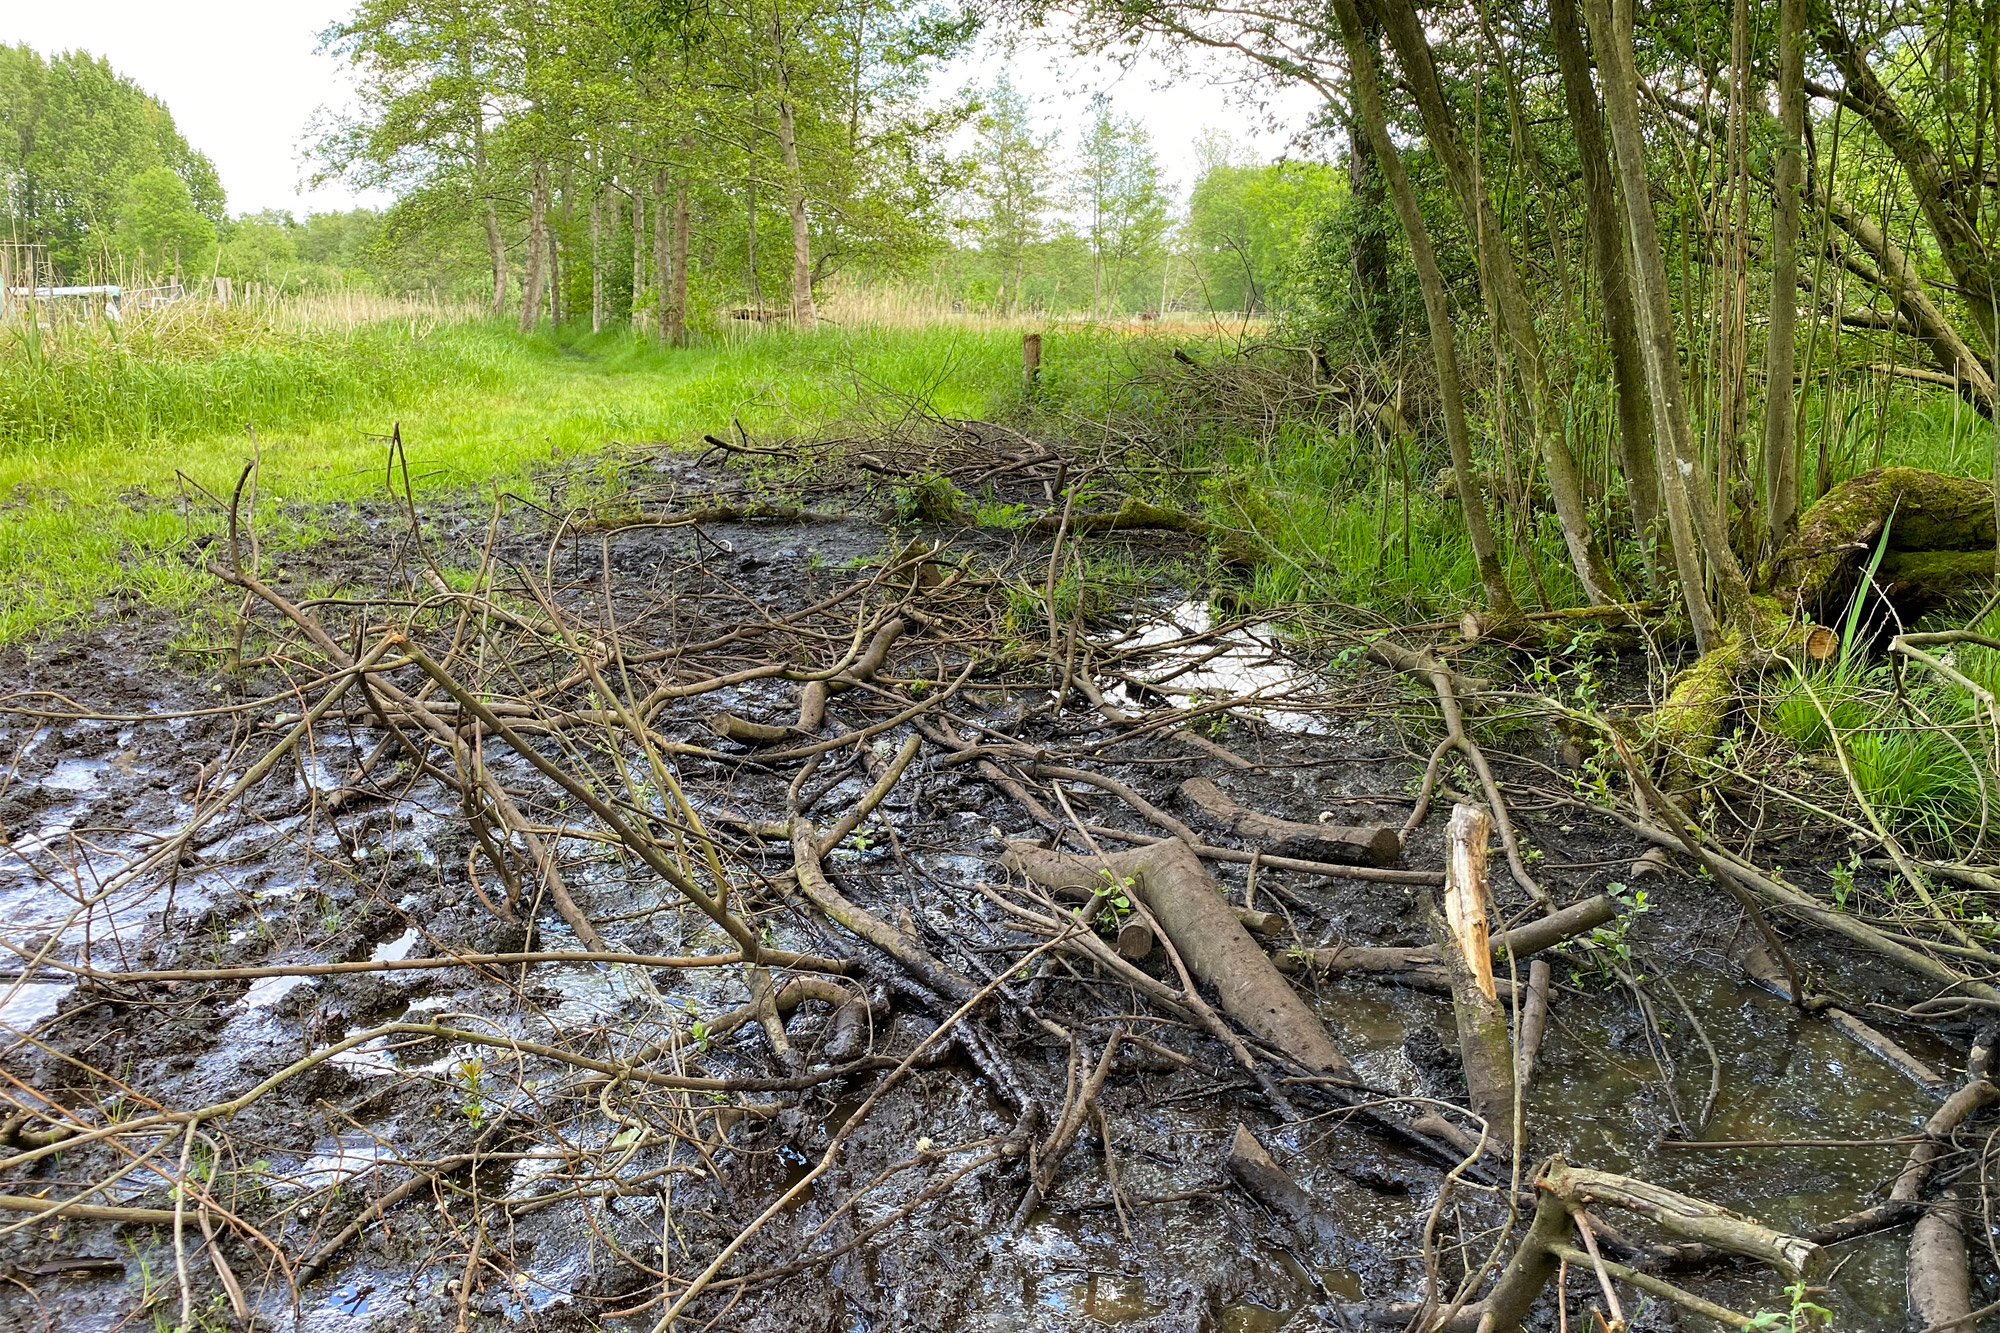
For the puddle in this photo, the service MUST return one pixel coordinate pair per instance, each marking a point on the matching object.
(334, 1162)
(265, 992)
(393, 951)
(1249, 664)
(76, 775)
(26, 1006)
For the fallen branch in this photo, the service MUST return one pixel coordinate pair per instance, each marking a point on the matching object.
(1375, 845)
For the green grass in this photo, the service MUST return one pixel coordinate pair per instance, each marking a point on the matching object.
(1800, 708)
(107, 445)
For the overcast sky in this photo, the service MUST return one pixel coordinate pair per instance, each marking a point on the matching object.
(243, 81)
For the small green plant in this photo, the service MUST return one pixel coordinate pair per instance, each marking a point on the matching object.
(1117, 905)
(1843, 881)
(992, 514)
(1802, 1316)
(471, 1075)
(1609, 946)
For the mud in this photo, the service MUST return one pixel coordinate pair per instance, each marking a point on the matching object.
(1173, 1244)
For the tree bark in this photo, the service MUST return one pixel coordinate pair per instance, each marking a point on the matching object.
(663, 260)
(677, 306)
(532, 282)
(636, 305)
(1367, 95)
(496, 246)
(803, 312)
(1781, 443)
(1614, 279)
(1500, 275)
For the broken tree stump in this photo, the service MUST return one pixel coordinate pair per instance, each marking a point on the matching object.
(1483, 1044)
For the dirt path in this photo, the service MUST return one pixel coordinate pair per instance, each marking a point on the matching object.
(934, 1098)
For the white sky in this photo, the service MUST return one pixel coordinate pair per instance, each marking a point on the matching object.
(243, 81)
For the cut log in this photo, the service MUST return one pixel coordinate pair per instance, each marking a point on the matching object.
(1940, 1281)
(1188, 904)
(1687, 1218)
(745, 732)
(1135, 939)
(1563, 1191)
(1252, 1167)
(1373, 844)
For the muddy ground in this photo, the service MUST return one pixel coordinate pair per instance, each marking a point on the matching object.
(545, 1200)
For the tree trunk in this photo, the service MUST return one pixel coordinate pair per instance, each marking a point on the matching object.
(597, 261)
(1500, 276)
(750, 245)
(1367, 95)
(677, 307)
(1781, 444)
(803, 312)
(1607, 242)
(532, 282)
(558, 267)
(636, 307)
(663, 260)
(1696, 529)
(496, 246)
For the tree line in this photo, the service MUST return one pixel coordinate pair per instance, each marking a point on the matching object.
(1729, 213)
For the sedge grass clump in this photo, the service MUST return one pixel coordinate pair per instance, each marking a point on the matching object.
(1919, 779)
(1809, 710)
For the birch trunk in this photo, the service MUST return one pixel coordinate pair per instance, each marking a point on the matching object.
(803, 312)
(677, 308)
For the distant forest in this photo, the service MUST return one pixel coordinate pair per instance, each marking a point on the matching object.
(558, 191)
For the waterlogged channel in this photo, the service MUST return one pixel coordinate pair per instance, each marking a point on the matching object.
(1174, 1247)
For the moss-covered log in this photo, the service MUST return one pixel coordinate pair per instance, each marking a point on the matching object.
(1940, 542)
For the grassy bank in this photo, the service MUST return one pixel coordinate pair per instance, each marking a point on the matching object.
(106, 442)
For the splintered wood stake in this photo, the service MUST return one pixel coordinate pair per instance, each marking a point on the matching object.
(1465, 891)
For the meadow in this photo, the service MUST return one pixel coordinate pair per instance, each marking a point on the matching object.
(116, 440)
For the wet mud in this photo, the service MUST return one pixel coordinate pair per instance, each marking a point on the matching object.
(544, 1200)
